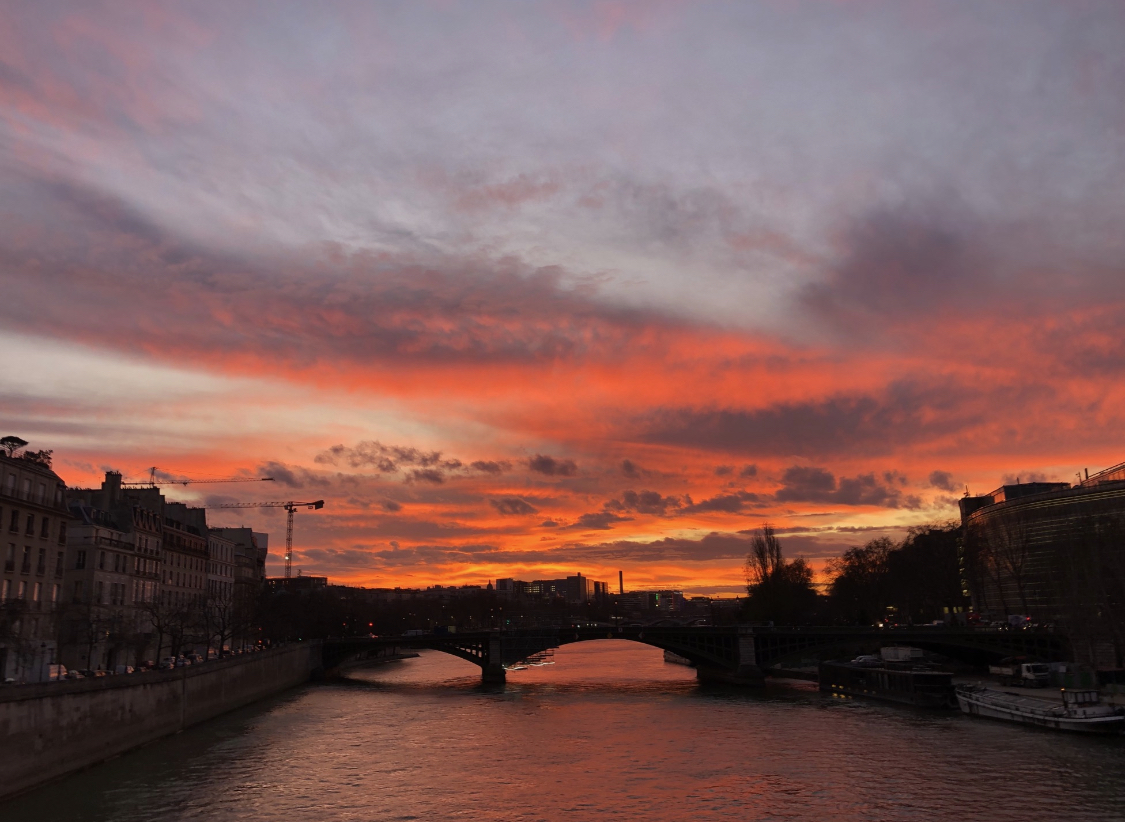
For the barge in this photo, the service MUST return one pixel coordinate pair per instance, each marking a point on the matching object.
(908, 684)
(1078, 710)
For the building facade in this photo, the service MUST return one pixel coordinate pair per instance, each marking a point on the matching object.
(34, 521)
(1055, 554)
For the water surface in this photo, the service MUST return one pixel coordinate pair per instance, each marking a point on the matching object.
(609, 732)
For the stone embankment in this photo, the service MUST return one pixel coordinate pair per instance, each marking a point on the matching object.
(54, 728)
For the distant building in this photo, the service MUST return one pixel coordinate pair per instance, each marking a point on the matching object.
(575, 589)
(249, 556)
(297, 584)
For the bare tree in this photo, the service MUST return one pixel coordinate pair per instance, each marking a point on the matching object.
(1011, 541)
(764, 559)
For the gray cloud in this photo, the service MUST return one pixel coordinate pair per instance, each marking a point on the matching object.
(723, 503)
(384, 458)
(552, 467)
(493, 467)
(600, 521)
(905, 412)
(513, 506)
(942, 480)
(281, 474)
(430, 475)
(645, 502)
(813, 484)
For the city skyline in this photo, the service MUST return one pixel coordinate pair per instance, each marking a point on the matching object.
(521, 290)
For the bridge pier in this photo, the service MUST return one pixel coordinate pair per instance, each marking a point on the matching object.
(493, 674)
(746, 671)
(492, 668)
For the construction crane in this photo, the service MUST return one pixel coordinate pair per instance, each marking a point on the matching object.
(151, 483)
(291, 507)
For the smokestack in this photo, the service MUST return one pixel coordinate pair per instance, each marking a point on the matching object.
(1087, 475)
(620, 582)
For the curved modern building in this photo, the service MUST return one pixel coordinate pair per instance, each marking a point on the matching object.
(1054, 553)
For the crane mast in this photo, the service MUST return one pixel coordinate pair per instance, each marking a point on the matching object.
(290, 509)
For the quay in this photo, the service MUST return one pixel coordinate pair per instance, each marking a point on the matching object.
(51, 729)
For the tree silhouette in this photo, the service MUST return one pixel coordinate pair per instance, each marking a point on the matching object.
(12, 444)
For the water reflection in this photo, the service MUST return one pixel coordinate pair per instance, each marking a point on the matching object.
(610, 731)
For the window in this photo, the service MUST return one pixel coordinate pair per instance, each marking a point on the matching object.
(101, 560)
(10, 486)
(14, 525)
(78, 591)
(21, 593)
(37, 592)
(10, 558)
(41, 563)
(62, 533)
(59, 564)
(58, 495)
(54, 593)
(5, 590)
(80, 560)
(44, 528)
(26, 489)
(42, 493)
(25, 566)
(29, 530)
(99, 593)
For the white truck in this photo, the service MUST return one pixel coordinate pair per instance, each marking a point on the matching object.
(1029, 674)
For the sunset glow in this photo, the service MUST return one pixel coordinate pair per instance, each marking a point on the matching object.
(532, 289)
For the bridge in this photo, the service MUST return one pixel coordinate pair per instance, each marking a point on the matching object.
(735, 654)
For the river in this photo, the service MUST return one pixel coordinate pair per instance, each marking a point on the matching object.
(608, 732)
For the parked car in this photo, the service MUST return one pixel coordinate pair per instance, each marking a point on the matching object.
(123, 669)
(195, 658)
(167, 663)
(75, 675)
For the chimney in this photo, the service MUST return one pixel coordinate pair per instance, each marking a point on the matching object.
(620, 582)
(1087, 474)
(111, 490)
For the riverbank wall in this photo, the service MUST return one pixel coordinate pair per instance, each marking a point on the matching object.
(51, 729)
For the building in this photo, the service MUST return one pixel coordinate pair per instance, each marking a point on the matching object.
(184, 560)
(114, 569)
(577, 589)
(1053, 553)
(34, 521)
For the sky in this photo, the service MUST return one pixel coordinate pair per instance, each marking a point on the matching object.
(529, 289)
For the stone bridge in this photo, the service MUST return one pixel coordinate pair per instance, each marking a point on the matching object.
(737, 654)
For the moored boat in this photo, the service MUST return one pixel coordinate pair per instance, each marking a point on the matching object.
(1077, 710)
(870, 677)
